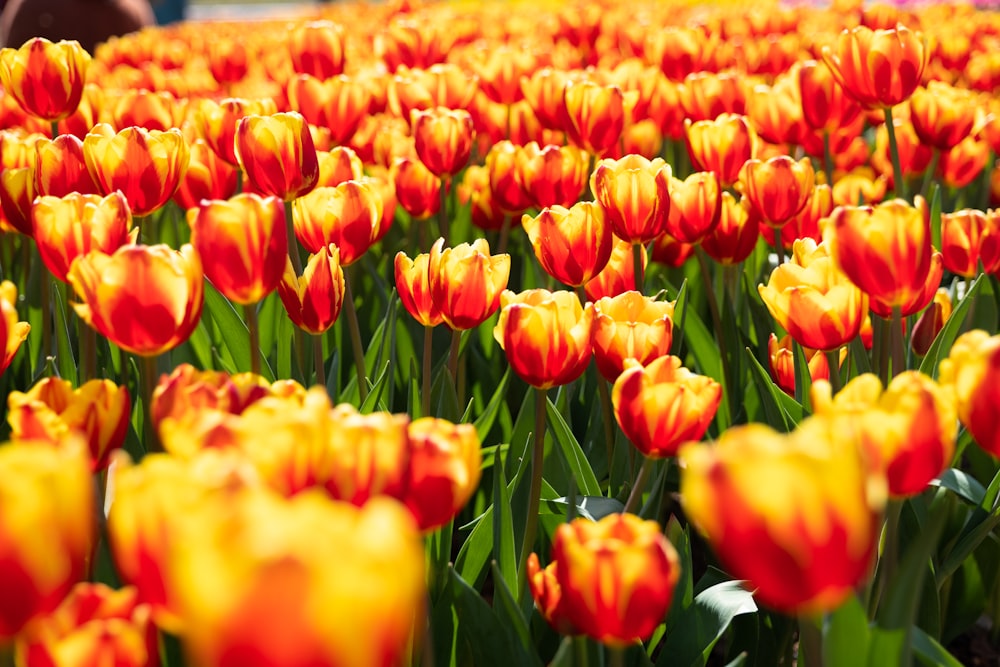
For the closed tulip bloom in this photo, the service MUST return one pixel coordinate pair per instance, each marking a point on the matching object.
(413, 287)
(618, 275)
(885, 250)
(548, 598)
(147, 109)
(805, 540)
(337, 165)
(671, 252)
(630, 325)
(971, 372)
(94, 625)
(348, 215)
(878, 68)
(661, 405)
(98, 411)
(217, 123)
(278, 155)
(46, 79)
(635, 195)
(227, 60)
(145, 165)
(593, 116)
(313, 301)
(914, 156)
(443, 139)
(187, 390)
(942, 115)
(931, 322)
(317, 48)
(338, 104)
(61, 168)
(572, 244)
(736, 235)
(466, 282)
(545, 335)
(69, 227)
(46, 528)
(616, 576)
(247, 240)
(781, 358)
(825, 105)
(145, 299)
(695, 206)
(721, 145)
(208, 177)
(505, 177)
(970, 239)
(553, 175)
(778, 188)
(707, 95)
(859, 187)
(812, 300)
(12, 332)
(441, 85)
(964, 163)
(418, 190)
(443, 472)
(909, 429)
(17, 193)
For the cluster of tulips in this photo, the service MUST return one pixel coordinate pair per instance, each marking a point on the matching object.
(720, 286)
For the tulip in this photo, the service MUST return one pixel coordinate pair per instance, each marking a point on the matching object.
(348, 215)
(46, 79)
(418, 190)
(630, 325)
(12, 332)
(313, 301)
(661, 405)
(970, 371)
(475, 191)
(146, 109)
(317, 48)
(635, 195)
(776, 111)
(145, 299)
(970, 239)
(721, 145)
(337, 165)
(443, 472)
(877, 68)
(208, 177)
(247, 240)
(443, 85)
(858, 188)
(338, 104)
(17, 192)
(145, 165)
(443, 139)
(98, 411)
(593, 116)
(227, 60)
(909, 429)
(217, 123)
(543, 91)
(94, 625)
(931, 322)
(696, 206)
(707, 95)
(615, 577)
(46, 528)
(825, 106)
(618, 275)
(548, 598)
(466, 282)
(413, 286)
(553, 175)
(778, 188)
(61, 168)
(812, 300)
(781, 358)
(964, 163)
(278, 155)
(671, 252)
(505, 177)
(500, 71)
(942, 115)
(572, 244)
(735, 237)
(70, 227)
(803, 541)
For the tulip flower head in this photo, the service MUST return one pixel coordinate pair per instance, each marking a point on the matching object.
(971, 372)
(313, 300)
(278, 154)
(348, 215)
(630, 325)
(466, 282)
(572, 244)
(878, 68)
(635, 195)
(413, 286)
(45, 78)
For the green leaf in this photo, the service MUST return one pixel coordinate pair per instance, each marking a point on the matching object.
(946, 337)
(484, 423)
(504, 552)
(64, 351)
(886, 647)
(935, 209)
(590, 507)
(235, 336)
(962, 485)
(573, 453)
(768, 393)
(373, 400)
(691, 640)
(506, 607)
(846, 635)
(930, 653)
(706, 355)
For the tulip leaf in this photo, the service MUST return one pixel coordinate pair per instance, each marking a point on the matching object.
(589, 507)
(373, 400)
(484, 423)
(886, 647)
(504, 550)
(286, 335)
(962, 484)
(846, 635)
(235, 336)
(767, 391)
(572, 452)
(708, 360)
(929, 652)
(946, 337)
(506, 607)
(64, 351)
(803, 377)
(691, 639)
(269, 316)
(935, 215)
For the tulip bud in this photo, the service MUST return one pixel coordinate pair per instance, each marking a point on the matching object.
(930, 323)
(314, 300)
(443, 139)
(348, 215)
(413, 287)
(635, 195)
(878, 68)
(443, 472)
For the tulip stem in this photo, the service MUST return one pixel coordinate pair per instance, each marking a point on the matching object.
(608, 418)
(443, 212)
(889, 558)
(47, 313)
(779, 247)
(898, 351)
(833, 363)
(925, 188)
(581, 652)
(504, 240)
(827, 158)
(355, 332)
(54, 127)
(454, 353)
(250, 315)
(88, 351)
(638, 254)
(535, 491)
(897, 169)
(319, 361)
(7, 655)
(635, 497)
(616, 656)
(425, 373)
(147, 366)
(293, 243)
(713, 309)
(810, 643)
(881, 336)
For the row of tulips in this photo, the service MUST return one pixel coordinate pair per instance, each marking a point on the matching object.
(725, 192)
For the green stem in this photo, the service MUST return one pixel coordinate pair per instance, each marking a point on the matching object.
(355, 331)
(635, 497)
(535, 491)
(148, 375)
(779, 246)
(293, 242)
(88, 351)
(888, 561)
(100, 521)
(616, 656)
(504, 235)
(443, 213)
(607, 416)
(7, 655)
(810, 643)
(638, 254)
(881, 337)
(54, 129)
(925, 188)
(581, 652)
(827, 158)
(250, 315)
(713, 308)
(48, 348)
(897, 169)
(453, 351)
(425, 375)
(898, 345)
(239, 180)
(319, 361)
(143, 224)
(833, 362)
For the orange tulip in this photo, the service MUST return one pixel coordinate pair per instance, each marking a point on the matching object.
(145, 299)
(443, 472)
(721, 145)
(418, 190)
(804, 541)
(931, 322)
(572, 244)
(825, 106)
(913, 155)
(618, 275)
(413, 286)
(46, 79)
(337, 165)
(278, 155)
(17, 192)
(964, 163)
(500, 71)
(217, 123)
(857, 188)
(593, 116)
(781, 357)
(146, 109)
(707, 95)
(60, 167)
(970, 239)
(543, 91)
(812, 300)
(313, 301)
(72, 226)
(942, 115)
(475, 191)
(776, 111)
(878, 68)
(616, 577)
(547, 594)
(338, 104)
(466, 282)
(695, 206)
(778, 188)
(94, 625)
(208, 177)
(735, 237)
(348, 215)
(545, 335)
(553, 175)
(317, 48)
(227, 60)
(46, 528)
(671, 252)
(661, 405)
(145, 165)
(440, 85)
(630, 325)
(505, 177)
(635, 195)
(443, 139)
(12, 332)
(970, 371)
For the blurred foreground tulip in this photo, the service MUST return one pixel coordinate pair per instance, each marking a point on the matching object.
(45, 78)
(145, 299)
(466, 282)
(805, 540)
(972, 371)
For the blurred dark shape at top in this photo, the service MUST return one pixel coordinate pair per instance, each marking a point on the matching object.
(90, 22)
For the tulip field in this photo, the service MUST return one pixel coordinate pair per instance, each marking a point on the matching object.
(585, 334)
